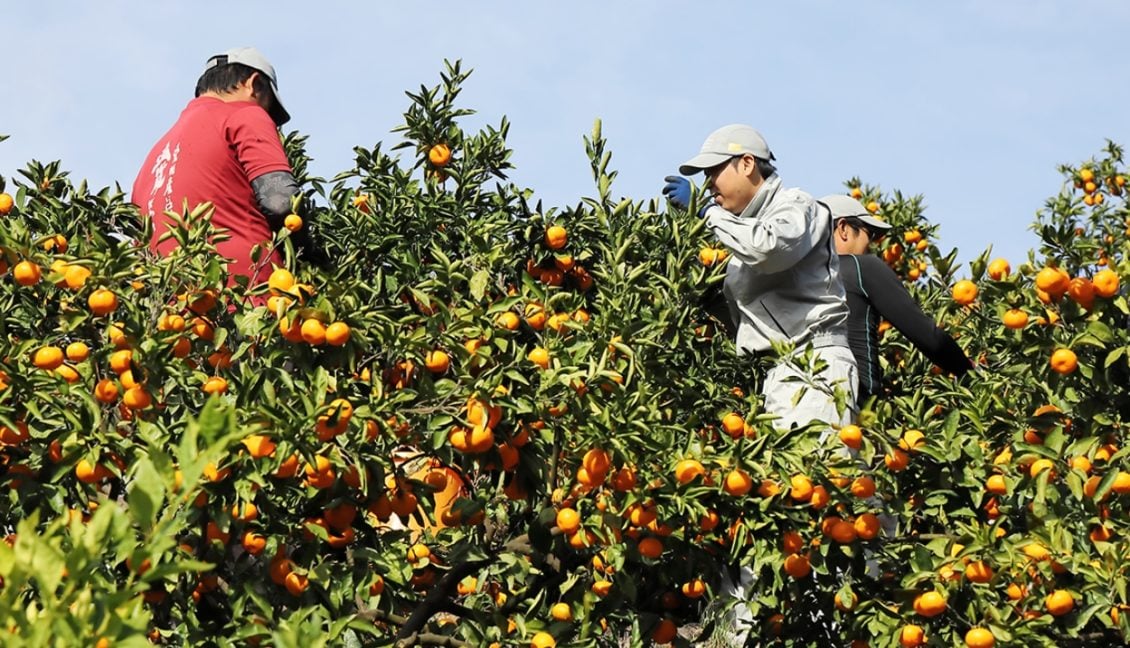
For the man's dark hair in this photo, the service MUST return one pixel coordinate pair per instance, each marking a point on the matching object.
(227, 77)
(765, 167)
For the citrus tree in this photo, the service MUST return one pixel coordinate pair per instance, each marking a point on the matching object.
(489, 422)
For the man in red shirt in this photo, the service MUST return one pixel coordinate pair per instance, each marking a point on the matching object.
(225, 149)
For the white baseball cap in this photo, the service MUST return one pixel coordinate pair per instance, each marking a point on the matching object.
(847, 207)
(725, 143)
(255, 60)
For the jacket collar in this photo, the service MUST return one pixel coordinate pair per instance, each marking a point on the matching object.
(764, 194)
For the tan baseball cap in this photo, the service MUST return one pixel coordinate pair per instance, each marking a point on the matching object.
(847, 207)
(255, 60)
(725, 143)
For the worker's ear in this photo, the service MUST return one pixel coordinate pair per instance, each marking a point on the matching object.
(747, 166)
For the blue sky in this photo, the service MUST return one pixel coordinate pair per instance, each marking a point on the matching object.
(972, 104)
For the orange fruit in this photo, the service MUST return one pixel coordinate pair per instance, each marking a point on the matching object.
(313, 332)
(601, 588)
(797, 565)
(136, 398)
(687, 469)
(930, 604)
(106, 391)
(246, 513)
(561, 612)
(873, 207)
(1121, 483)
(292, 222)
(337, 334)
(867, 526)
(543, 640)
(102, 302)
(999, 269)
(418, 553)
(75, 277)
(568, 520)
(539, 356)
(536, 316)
(734, 425)
(1036, 551)
(439, 155)
(1059, 602)
(896, 460)
(1052, 281)
(509, 320)
(280, 281)
(800, 488)
(320, 474)
(26, 273)
(279, 568)
(1081, 463)
(437, 361)
(597, 461)
(6, 203)
(843, 532)
(792, 542)
(820, 497)
(296, 583)
(556, 237)
(1081, 291)
(664, 632)
(1100, 533)
(996, 485)
(863, 487)
(978, 571)
(912, 636)
(737, 482)
(845, 604)
(694, 588)
(911, 440)
(964, 292)
(1014, 318)
(1064, 361)
(253, 543)
(48, 357)
(1042, 465)
(650, 547)
(89, 473)
(979, 638)
(851, 436)
(1015, 592)
(120, 361)
(361, 202)
(215, 385)
(768, 488)
(708, 256)
(1106, 283)
(259, 446)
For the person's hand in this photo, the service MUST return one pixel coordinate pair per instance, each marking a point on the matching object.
(678, 191)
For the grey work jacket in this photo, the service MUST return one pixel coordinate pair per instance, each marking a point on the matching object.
(783, 284)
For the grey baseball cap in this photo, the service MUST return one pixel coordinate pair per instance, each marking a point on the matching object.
(725, 143)
(847, 207)
(255, 60)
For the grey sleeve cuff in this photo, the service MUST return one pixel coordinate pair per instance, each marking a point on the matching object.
(273, 193)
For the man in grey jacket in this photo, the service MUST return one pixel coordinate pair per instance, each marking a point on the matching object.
(783, 283)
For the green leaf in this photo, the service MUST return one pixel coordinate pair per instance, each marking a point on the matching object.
(146, 493)
(478, 284)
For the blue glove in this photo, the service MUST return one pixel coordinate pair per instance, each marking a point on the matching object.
(678, 191)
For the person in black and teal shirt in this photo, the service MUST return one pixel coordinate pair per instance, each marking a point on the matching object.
(875, 292)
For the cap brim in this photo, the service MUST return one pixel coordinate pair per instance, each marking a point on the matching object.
(701, 162)
(871, 221)
(278, 111)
